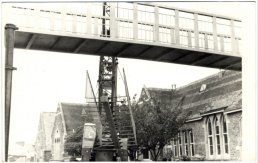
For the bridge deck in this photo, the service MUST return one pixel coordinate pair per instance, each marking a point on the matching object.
(134, 30)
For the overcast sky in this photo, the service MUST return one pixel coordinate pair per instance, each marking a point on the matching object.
(43, 79)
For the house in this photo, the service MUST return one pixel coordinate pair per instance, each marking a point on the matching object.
(68, 118)
(213, 128)
(43, 139)
(21, 152)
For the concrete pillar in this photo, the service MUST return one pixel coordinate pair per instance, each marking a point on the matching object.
(9, 46)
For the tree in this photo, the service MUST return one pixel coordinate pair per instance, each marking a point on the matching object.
(73, 141)
(156, 124)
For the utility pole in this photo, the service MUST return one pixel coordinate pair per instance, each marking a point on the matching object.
(9, 46)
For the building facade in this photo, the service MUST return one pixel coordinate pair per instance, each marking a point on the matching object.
(68, 118)
(43, 139)
(212, 130)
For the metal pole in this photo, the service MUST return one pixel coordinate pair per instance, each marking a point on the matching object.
(9, 46)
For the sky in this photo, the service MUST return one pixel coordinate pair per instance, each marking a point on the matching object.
(43, 79)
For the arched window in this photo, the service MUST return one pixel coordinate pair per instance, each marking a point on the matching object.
(57, 150)
(217, 135)
(191, 143)
(180, 153)
(225, 135)
(210, 136)
(186, 143)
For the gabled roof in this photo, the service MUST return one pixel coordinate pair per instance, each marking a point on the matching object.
(74, 114)
(223, 89)
(71, 114)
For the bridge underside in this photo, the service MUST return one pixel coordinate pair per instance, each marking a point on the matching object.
(125, 49)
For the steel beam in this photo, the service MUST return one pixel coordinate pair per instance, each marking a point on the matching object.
(78, 48)
(102, 47)
(9, 46)
(124, 48)
(218, 60)
(32, 38)
(183, 55)
(54, 44)
(144, 51)
(198, 60)
(164, 53)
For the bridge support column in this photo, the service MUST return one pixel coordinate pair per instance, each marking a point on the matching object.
(9, 46)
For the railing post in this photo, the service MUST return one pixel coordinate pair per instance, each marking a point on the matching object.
(88, 18)
(215, 37)
(63, 17)
(156, 24)
(222, 43)
(206, 46)
(189, 36)
(233, 38)
(196, 31)
(177, 27)
(52, 20)
(9, 46)
(135, 21)
(74, 28)
(113, 24)
(172, 33)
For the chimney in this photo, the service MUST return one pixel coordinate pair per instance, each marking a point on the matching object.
(173, 87)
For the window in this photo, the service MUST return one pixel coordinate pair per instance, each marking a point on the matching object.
(225, 135)
(186, 143)
(217, 130)
(175, 148)
(191, 143)
(217, 136)
(203, 87)
(57, 150)
(180, 144)
(210, 137)
(183, 144)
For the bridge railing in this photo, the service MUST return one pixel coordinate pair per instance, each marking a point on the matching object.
(138, 22)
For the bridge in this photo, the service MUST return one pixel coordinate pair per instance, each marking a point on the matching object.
(132, 30)
(127, 30)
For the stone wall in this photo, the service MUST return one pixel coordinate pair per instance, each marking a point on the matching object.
(198, 136)
(58, 125)
(235, 137)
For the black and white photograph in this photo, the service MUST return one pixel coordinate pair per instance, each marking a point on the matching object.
(128, 81)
